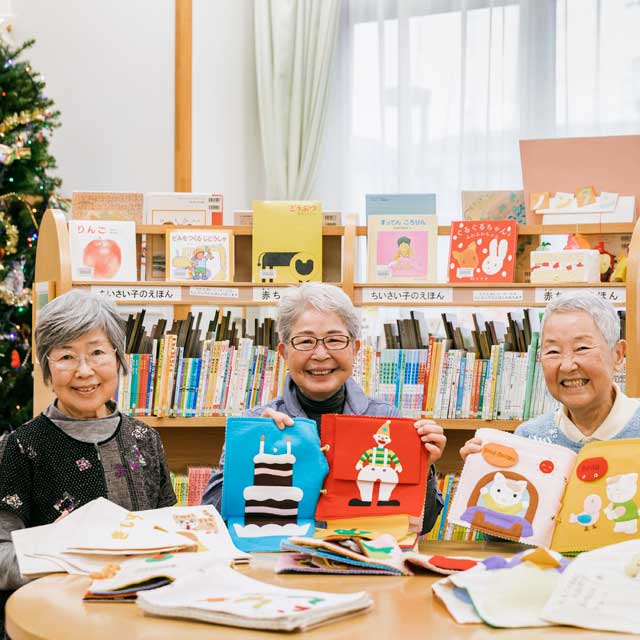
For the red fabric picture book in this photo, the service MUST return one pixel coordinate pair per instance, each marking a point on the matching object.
(483, 250)
(377, 466)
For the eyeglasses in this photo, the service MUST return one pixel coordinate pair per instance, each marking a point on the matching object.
(309, 343)
(70, 361)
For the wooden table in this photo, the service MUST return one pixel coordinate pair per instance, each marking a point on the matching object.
(404, 608)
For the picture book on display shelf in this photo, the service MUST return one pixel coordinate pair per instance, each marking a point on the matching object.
(503, 205)
(287, 241)
(377, 466)
(103, 250)
(482, 251)
(546, 495)
(107, 205)
(402, 237)
(272, 480)
(181, 209)
(200, 254)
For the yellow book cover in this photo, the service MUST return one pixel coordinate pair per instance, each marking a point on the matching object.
(433, 376)
(287, 241)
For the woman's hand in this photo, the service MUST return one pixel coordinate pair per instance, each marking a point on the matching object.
(433, 438)
(470, 446)
(282, 420)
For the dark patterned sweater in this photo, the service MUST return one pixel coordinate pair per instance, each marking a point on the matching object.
(44, 471)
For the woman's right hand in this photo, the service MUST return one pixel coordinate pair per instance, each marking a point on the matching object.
(470, 446)
(282, 420)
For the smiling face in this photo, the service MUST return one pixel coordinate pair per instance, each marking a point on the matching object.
(320, 373)
(381, 439)
(578, 365)
(84, 392)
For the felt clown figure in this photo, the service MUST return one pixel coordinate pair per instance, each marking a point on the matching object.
(378, 463)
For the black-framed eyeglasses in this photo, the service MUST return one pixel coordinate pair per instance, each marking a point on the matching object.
(309, 343)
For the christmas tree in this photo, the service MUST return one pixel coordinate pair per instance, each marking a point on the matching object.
(26, 190)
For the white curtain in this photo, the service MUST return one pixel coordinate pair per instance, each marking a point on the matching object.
(433, 95)
(295, 44)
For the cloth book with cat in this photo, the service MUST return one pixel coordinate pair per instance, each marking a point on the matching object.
(223, 596)
(545, 495)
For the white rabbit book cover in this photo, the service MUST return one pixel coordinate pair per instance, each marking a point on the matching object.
(483, 251)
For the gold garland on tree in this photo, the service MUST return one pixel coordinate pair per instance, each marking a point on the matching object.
(22, 118)
(11, 231)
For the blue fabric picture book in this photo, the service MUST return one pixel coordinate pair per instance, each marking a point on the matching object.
(272, 481)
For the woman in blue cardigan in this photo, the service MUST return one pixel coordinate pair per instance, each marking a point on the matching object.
(319, 328)
(580, 351)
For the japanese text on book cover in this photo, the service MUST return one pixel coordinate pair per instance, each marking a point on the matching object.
(402, 232)
(198, 254)
(287, 241)
(482, 251)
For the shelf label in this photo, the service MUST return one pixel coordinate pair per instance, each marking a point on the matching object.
(268, 294)
(498, 295)
(613, 294)
(409, 294)
(138, 293)
(215, 292)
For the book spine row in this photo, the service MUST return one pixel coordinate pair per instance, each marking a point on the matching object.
(190, 486)
(444, 383)
(224, 380)
(443, 529)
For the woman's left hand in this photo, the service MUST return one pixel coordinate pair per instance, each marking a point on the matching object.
(433, 438)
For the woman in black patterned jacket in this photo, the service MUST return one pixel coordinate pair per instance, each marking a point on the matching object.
(81, 447)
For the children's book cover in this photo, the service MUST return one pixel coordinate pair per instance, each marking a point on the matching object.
(545, 495)
(106, 205)
(377, 466)
(287, 241)
(272, 480)
(482, 251)
(494, 205)
(103, 250)
(198, 254)
(183, 208)
(402, 232)
(503, 205)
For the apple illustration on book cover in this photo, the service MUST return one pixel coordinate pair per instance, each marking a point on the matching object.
(103, 250)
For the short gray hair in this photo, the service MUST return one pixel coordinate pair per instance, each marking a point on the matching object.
(602, 312)
(320, 296)
(69, 317)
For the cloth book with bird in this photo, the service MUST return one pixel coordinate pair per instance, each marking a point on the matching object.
(546, 495)
(483, 251)
(377, 466)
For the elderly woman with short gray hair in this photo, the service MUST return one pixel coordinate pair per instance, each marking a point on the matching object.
(580, 351)
(81, 447)
(318, 329)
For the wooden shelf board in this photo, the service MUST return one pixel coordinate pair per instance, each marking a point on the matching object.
(487, 285)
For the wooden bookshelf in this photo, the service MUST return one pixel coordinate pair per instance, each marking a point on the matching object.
(199, 440)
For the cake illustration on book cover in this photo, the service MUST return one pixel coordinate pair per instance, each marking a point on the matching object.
(272, 481)
(272, 496)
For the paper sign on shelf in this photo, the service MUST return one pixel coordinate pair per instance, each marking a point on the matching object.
(409, 294)
(139, 293)
(215, 292)
(498, 295)
(613, 294)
